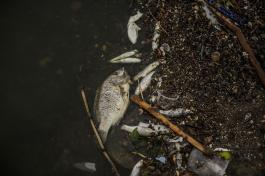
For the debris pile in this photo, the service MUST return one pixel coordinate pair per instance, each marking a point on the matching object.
(201, 78)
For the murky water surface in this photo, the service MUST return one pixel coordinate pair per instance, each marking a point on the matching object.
(44, 46)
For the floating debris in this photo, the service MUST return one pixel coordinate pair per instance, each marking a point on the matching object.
(215, 56)
(155, 40)
(161, 159)
(145, 82)
(202, 165)
(86, 166)
(137, 168)
(111, 101)
(133, 28)
(176, 112)
(210, 16)
(147, 70)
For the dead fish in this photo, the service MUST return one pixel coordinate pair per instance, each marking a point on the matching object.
(133, 28)
(155, 40)
(124, 55)
(176, 112)
(146, 129)
(145, 82)
(137, 168)
(147, 70)
(127, 60)
(111, 101)
(86, 166)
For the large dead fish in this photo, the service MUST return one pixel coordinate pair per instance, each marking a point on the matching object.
(133, 28)
(111, 101)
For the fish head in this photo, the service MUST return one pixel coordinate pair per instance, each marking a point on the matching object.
(120, 77)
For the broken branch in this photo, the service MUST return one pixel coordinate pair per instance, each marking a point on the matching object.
(97, 134)
(243, 41)
(170, 125)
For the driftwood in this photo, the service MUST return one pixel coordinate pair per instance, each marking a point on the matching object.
(170, 125)
(101, 145)
(243, 42)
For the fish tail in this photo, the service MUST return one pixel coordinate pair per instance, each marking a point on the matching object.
(103, 131)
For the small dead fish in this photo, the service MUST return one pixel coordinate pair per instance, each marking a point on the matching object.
(133, 28)
(210, 16)
(176, 112)
(145, 82)
(147, 70)
(86, 166)
(155, 40)
(137, 168)
(124, 55)
(127, 60)
(146, 129)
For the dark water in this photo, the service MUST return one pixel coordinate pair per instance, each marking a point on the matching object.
(44, 45)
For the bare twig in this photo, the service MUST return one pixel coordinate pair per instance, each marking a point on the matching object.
(101, 145)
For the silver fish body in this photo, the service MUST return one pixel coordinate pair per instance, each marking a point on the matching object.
(137, 168)
(145, 71)
(124, 55)
(145, 82)
(127, 60)
(111, 101)
(133, 28)
(176, 112)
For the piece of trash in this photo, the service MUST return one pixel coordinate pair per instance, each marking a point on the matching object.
(137, 168)
(147, 70)
(123, 56)
(145, 82)
(215, 56)
(176, 112)
(86, 166)
(229, 13)
(155, 40)
(204, 166)
(161, 159)
(225, 155)
(111, 101)
(133, 28)
(210, 16)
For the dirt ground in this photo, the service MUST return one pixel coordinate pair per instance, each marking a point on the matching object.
(206, 70)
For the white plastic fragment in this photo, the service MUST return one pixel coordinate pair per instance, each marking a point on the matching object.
(146, 70)
(137, 168)
(133, 28)
(210, 16)
(161, 159)
(221, 150)
(86, 166)
(145, 82)
(176, 112)
(155, 40)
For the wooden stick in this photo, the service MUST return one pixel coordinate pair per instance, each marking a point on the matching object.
(243, 41)
(170, 125)
(101, 145)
